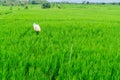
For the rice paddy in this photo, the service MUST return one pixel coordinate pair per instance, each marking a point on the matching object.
(76, 42)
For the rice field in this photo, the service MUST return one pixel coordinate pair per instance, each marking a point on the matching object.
(76, 42)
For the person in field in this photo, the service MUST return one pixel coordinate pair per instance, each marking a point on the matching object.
(37, 28)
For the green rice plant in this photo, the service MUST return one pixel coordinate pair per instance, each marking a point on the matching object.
(77, 42)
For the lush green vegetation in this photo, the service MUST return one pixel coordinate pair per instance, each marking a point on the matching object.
(77, 42)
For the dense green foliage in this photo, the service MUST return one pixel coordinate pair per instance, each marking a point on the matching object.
(77, 42)
(46, 5)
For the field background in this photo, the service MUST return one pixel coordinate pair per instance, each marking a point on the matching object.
(76, 42)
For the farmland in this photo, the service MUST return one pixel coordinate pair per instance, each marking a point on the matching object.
(76, 42)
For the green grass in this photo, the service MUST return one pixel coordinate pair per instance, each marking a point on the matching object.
(75, 43)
